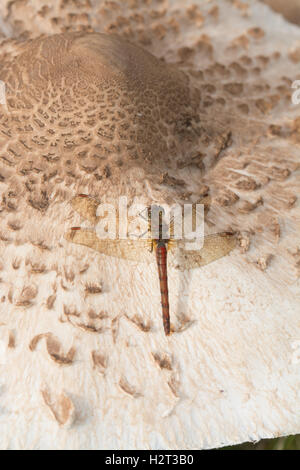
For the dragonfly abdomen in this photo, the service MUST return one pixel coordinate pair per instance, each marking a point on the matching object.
(161, 258)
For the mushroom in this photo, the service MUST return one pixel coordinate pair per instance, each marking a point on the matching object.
(197, 103)
(290, 10)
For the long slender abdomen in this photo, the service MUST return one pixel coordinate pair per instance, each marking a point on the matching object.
(161, 258)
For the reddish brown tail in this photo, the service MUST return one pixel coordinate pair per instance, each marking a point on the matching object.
(161, 258)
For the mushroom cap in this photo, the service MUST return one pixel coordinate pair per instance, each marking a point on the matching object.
(205, 110)
(290, 9)
(99, 106)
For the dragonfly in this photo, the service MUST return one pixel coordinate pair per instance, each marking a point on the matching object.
(168, 251)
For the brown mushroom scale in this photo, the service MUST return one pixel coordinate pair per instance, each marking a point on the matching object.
(93, 105)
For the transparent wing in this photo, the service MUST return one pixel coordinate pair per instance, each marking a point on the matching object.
(86, 206)
(214, 247)
(133, 250)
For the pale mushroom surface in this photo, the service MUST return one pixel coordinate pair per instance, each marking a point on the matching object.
(199, 101)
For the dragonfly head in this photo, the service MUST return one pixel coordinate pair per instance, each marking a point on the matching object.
(155, 211)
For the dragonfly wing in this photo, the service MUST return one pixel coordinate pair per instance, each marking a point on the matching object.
(85, 206)
(214, 247)
(133, 250)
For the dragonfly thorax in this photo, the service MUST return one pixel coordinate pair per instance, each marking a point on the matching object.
(157, 227)
(161, 243)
